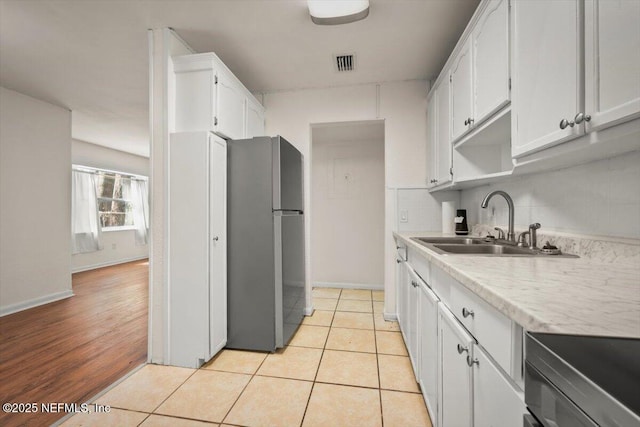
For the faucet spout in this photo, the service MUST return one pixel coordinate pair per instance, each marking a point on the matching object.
(511, 236)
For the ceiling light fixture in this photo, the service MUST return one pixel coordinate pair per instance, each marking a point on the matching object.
(335, 12)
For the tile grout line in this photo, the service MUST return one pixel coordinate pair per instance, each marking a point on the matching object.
(313, 384)
(375, 339)
(243, 390)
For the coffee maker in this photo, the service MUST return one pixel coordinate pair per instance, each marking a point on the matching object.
(461, 222)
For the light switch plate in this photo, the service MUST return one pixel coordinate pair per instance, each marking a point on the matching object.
(404, 216)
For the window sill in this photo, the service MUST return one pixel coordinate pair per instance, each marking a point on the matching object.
(125, 228)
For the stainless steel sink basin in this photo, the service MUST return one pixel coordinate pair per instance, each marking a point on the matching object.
(450, 240)
(489, 249)
(481, 247)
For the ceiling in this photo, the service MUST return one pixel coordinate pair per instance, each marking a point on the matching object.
(92, 56)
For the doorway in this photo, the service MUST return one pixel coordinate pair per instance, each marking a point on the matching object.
(348, 205)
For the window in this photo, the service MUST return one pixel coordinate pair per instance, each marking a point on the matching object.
(115, 206)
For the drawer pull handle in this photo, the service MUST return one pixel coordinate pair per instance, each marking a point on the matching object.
(414, 283)
(462, 349)
(466, 312)
(471, 361)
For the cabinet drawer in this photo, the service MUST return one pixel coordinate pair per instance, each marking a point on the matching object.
(420, 266)
(491, 328)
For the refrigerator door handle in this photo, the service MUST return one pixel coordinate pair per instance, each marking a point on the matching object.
(281, 212)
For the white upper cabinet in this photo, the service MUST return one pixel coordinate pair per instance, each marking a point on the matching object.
(491, 60)
(230, 110)
(439, 134)
(443, 96)
(461, 92)
(546, 74)
(254, 120)
(210, 98)
(612, 62)
(432, 139)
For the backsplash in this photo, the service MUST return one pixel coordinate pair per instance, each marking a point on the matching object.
(419, 210)
(600, 198)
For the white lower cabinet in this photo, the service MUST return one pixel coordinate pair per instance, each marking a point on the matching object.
(466, 355)
(456, 377)
(496, 402)
(427, 333)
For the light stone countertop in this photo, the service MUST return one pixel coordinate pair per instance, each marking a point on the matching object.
(557, 295)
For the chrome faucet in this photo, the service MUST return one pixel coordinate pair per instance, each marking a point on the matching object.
(511, 236)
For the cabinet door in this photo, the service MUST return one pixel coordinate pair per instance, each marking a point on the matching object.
(461, 95)
(491, 60)
(188, 252)
(455, 344)
(444, 152)
(412, 317)
(403, 299)
(612, 62)
(254, 120)
(218, 246)
(546, 86)
(432, 139)
(230, 108)
(497, 403)
(428, 348)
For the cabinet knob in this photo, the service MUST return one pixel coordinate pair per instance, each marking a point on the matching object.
(433, 181)
(462, 349)
(215, 239)
(471, 361)
(398, 261)
(466, 312)
(581, 117)
(564, 123)
(468, 121)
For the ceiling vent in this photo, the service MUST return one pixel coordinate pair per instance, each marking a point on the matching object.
(344, 62)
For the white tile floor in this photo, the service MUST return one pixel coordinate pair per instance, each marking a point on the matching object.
(346, 366)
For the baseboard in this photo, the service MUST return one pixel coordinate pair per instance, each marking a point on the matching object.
(372, 286)
(308, 311)
(14, 308)
(107, 264)
(391, 317)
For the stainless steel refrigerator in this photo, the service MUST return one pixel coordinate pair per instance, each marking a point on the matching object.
(265, 243)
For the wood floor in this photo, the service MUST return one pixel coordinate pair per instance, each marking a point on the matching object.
(69, 350)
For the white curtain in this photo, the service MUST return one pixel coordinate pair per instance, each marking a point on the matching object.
(86, 232)
(140, 199)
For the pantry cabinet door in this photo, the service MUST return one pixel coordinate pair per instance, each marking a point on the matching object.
(612, 61)
(491, 60)
(461, 95)
(546, 78)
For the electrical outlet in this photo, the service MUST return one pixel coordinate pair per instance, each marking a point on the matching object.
(404, 216)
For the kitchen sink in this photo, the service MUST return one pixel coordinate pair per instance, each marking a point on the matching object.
(480, 246)
(489, 249)
(450, 240)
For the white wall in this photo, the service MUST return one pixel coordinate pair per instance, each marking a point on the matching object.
(118, 246)
(403, 107)
(163, 43)
(597, 198)
(35, 202)
(347, 206)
